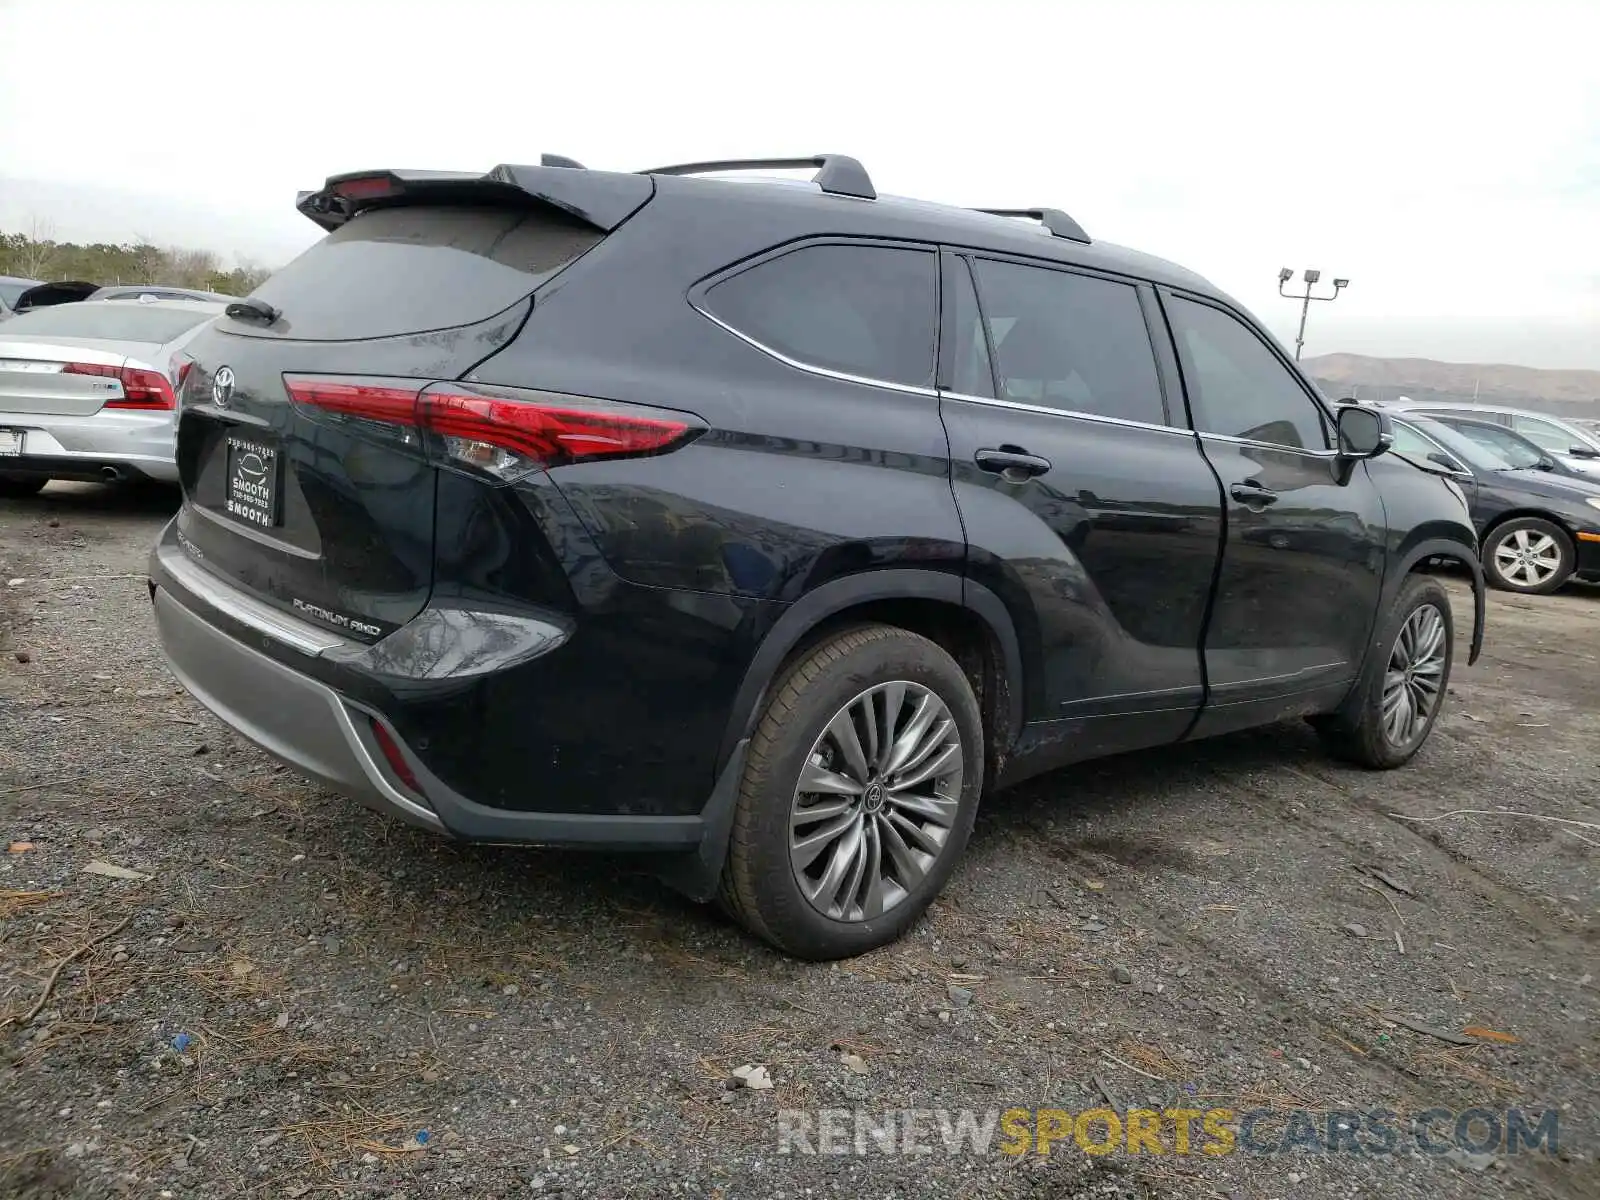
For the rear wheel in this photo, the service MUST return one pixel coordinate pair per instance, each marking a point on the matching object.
(1400, 695)
(858, 796)
(19, 487)
(1529, 555)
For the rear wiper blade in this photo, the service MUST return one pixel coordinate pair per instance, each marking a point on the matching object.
(253, 310)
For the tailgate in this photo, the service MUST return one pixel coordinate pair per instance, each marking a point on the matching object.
(327, 510)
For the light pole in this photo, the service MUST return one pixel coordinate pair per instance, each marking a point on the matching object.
(1306, 298)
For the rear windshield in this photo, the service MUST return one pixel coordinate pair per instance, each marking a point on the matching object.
(414, 269)
(117, 322)
(12, 292)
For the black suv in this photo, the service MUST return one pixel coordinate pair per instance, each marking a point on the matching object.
(765, 525)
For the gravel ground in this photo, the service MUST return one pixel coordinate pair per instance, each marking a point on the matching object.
(296, 997)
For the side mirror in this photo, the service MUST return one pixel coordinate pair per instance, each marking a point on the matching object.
(1449, 464)
(1583, 452)
(1363, 432)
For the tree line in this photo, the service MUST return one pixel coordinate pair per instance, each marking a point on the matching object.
(36, 254)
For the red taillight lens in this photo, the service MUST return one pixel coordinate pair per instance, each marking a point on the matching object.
(480, 430)
(397, 760)
(366, 188)
(141, 388)
(180, 370)
(369, 401)
(503, 432)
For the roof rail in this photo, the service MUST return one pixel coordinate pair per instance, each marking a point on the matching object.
(1057, 222)
(838, 174)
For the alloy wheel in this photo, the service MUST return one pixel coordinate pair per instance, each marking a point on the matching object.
(1415, 676)
(877, 799)
(1527, 558)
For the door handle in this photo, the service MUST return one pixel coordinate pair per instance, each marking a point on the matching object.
(1012, 461)
(1250, 493)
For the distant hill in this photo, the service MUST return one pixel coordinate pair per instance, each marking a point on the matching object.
(1575, 393)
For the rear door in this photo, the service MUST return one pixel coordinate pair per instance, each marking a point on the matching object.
(1088, 508)
(304, 475)
(1302, 568)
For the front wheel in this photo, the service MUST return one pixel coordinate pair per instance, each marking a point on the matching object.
(1402, 690)
(1528, 555)
(858, 796)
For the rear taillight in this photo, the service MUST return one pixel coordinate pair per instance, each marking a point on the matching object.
(503, 432)
(179, 370)
(142, 388)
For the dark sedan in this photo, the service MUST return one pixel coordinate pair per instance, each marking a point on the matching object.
(1539, 525)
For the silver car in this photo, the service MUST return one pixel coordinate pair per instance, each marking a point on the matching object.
(1571, 444)
(89, 390)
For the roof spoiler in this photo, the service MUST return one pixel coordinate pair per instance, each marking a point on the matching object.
(604, 199)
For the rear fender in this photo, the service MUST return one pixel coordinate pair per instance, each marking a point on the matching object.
(836, 596)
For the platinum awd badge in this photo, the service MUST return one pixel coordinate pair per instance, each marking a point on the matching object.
(340, 620)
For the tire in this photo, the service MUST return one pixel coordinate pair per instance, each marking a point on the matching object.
(895, 871)
(1360, 732)
(1528, 555)
(20, 487)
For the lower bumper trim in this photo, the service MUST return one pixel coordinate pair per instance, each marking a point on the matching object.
(308, 725)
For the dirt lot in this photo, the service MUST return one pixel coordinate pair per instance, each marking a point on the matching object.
(299, 989)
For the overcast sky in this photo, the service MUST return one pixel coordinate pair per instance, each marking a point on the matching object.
(1445, 157)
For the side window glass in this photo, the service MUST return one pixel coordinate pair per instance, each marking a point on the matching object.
(1237, 386)
(1073, 342)
(1413, 445)
(971, 375)
(862, 310)
(1544, 435)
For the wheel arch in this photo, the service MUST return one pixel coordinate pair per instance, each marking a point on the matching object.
(1517, 514)
(967, 619)
(1457, 550)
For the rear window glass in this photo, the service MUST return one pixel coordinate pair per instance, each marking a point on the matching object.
(12, 292)
(868, 311)
(413, 269)
(118, 322)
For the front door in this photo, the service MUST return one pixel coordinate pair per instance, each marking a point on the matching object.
(1087, 510)
(1302, 564)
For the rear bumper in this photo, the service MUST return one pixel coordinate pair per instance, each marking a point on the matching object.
(137, 444)
(293, 717)
(325, 732)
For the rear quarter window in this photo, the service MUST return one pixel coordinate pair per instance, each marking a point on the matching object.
(116, 322)
(867, 311)
(416, 269)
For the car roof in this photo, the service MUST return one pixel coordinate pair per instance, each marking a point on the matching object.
(1466, 408)
(20, 279)
(891, 216)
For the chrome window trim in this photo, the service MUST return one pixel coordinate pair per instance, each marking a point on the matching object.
(1072, 413)
(825, 372)
(302, 636)
(1242, 441)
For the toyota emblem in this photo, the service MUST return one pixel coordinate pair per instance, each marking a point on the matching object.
(222, 387)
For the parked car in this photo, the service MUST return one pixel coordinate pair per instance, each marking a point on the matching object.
(89, 391)
(60, 291)
(1508, 444)
(12, 289)
(1539, 525)
(765, 526)
(149, 292)
(1575, 446)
